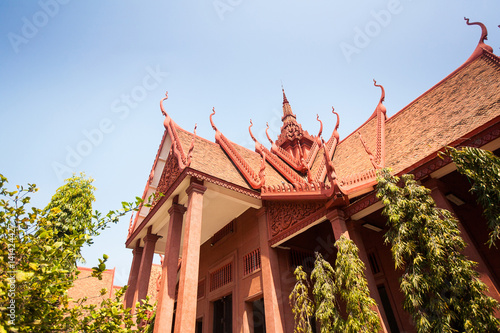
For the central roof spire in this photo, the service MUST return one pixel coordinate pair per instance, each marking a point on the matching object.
(288, 116)
(284, 96)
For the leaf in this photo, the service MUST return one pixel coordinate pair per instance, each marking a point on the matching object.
(23, 276)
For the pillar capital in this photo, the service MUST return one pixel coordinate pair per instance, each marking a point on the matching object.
(337, 220)
(197, 188)
(137, 251)
(335, 214)
(151, 238)
(177, 208)
(138, 248)
(435, 184)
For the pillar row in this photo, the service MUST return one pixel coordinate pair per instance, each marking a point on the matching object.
(185, 320)
(134, 275)
(145, 269)
(166, 296)
(271, 284)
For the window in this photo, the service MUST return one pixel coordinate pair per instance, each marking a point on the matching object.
(251, 262)
(221, 276)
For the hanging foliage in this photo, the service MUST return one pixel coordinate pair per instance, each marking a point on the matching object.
(482, 168)
(342, 301)
(441, 288)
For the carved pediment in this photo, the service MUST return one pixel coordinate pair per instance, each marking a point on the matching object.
(171, 172)
(283, 215)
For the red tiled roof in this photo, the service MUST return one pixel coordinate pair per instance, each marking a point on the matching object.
(87, 286)
(209, 158)
(463, 101)
(447, 112)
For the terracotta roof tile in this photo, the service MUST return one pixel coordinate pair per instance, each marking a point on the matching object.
(463, 101)
(444, 114)
(209, 158)
(90, 287)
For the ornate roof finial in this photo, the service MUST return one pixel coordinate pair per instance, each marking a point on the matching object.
(335, 133)
(380, 106)
(484, 35)
(161, 104)
(211, 121)
(250, 130)
(382, 97)
(267, 134)
(321, 126)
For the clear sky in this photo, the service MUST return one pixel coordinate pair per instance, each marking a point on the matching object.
(81, 80)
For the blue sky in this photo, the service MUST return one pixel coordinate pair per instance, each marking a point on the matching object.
(81, 80)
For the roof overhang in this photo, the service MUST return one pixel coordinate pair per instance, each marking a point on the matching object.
(222, 203)
(485, 137)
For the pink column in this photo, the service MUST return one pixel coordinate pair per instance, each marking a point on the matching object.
(166, 296)
(472, 253)
(185, 320)
(134, 274)
(271, 284)
(145, 268)
(337, 220)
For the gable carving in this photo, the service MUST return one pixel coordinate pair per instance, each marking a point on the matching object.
(283, 215)
(171, 172)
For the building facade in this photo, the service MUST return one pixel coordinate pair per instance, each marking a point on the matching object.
(233, 223)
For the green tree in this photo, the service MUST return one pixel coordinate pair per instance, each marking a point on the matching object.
(482, 168)
(38, 262)
(302, 306)
(441, 288)
(340, 290)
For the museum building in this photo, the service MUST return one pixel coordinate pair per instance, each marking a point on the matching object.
(233, 223)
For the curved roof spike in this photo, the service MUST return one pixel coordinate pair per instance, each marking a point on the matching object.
(321, 125)
(211, 121)
(382, 97)
(267, 134)
(484, 31)
(250, 130)
(484, 36)
(335, 133)
(161, 104)
(338, 118)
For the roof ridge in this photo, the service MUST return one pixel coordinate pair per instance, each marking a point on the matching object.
(255, 180)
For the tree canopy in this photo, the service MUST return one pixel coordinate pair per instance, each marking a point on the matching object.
(39, 252)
